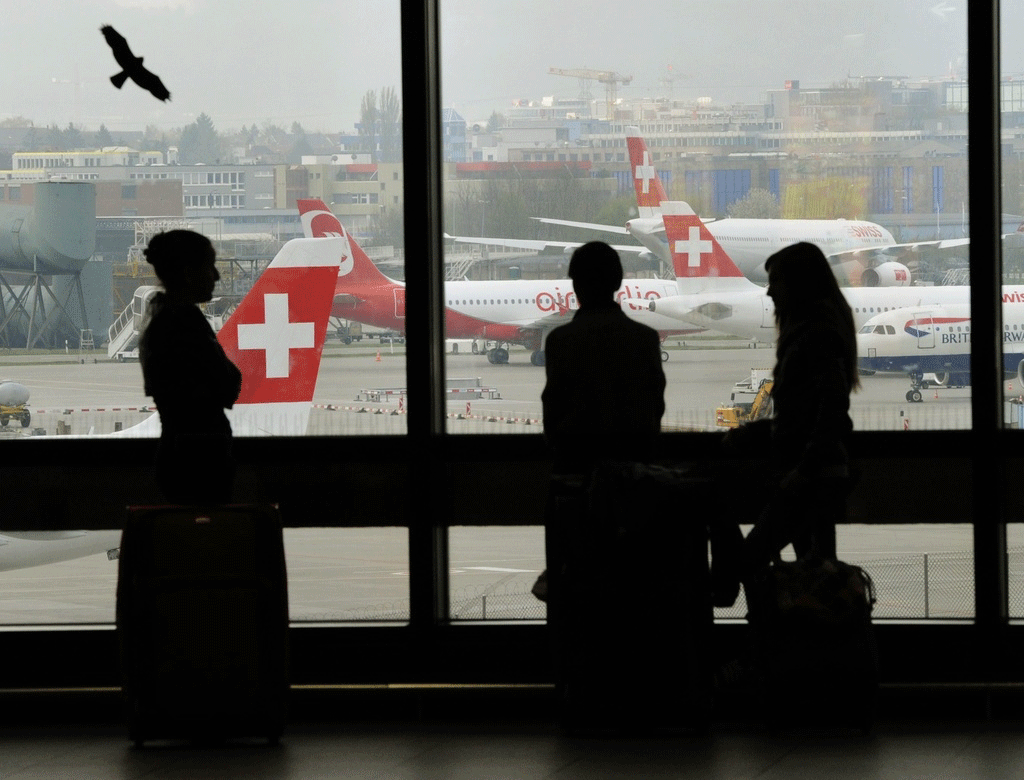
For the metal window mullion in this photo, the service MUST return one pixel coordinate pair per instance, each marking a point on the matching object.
(424, 274)
(986, 312)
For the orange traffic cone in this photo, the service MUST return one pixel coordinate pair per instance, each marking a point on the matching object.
(378, 356)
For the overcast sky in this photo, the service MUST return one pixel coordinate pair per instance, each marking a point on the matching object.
(312, 61)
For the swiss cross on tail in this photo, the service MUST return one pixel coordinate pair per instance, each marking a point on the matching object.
(695, 252)
(276, 335)
(649, 191)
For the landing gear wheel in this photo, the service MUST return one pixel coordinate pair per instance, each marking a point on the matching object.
(500, 356)
(26, 419)
(915, 396)
(664, 356)
(4, 419)
(537, 358)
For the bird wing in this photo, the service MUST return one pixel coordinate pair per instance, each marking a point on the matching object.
(150, 81)
(119, 46)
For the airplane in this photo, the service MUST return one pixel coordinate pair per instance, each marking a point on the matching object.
(846, 243)
(935, 340)
(504, 311)
(276, 337)
(713, 293)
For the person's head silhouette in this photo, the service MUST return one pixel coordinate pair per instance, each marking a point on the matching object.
(596, 273)
(799, 279)
(184, 261)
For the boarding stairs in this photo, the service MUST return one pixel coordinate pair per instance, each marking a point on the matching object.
(123, 333)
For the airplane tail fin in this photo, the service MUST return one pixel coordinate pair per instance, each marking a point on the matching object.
(700, 263)
(649, 190)
(276, 338)
(356, 267)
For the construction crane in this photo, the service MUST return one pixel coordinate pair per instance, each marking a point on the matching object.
(610, 80)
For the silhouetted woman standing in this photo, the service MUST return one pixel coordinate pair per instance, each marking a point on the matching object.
(815, 372)
(187, 373)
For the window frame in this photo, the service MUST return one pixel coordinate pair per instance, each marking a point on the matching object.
(429, 648)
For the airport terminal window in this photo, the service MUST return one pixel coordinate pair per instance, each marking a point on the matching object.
(334, 575)
(266, 118)
(835, 176)
(492, 571)
(273, 116)
(919, 572)
(499, 199)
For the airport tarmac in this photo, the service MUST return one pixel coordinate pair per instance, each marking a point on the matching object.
(360, 392)
(362, 574)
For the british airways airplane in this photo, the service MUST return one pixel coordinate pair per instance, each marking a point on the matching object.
(934, 340)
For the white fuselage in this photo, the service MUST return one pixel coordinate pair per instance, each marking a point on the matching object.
(750, 313)
(533, 303)
(749, 242)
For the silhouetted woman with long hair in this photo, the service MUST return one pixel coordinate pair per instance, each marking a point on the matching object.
(187, 373)
(807, 436)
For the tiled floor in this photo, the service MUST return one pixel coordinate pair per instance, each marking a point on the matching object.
(485, 751)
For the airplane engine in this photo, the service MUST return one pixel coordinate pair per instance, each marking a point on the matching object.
(13, 394)
(953, 378)
(891, 274)
(1020, 372)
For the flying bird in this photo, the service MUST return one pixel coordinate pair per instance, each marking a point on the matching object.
(131, 66)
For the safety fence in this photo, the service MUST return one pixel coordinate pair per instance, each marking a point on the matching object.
(388, 418)
(911, 586)
(354, 418)
(936, 586)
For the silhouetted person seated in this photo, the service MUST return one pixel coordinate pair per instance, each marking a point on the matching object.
(605, 391)
(187, 373)
(806, 438)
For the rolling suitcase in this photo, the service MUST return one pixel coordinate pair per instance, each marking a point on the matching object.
(202, 622)
(630, 601)
(813, 643)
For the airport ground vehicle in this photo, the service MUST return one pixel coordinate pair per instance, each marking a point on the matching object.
(353, 331)
(751, 400)
(14, 403)
(19, 413)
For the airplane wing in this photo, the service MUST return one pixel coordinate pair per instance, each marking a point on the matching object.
(597, 226)
(536, 245)
(584, 225)
(898, 250)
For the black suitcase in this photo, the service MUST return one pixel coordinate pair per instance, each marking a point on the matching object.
(629, 601)
(813, 643)
(202, 622)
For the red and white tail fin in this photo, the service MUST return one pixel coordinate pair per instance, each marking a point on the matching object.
(356, 267)
(700, 263)
(649, 191)
(276, 338)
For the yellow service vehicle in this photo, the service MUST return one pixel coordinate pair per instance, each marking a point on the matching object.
(751, 400)
(14, 403)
